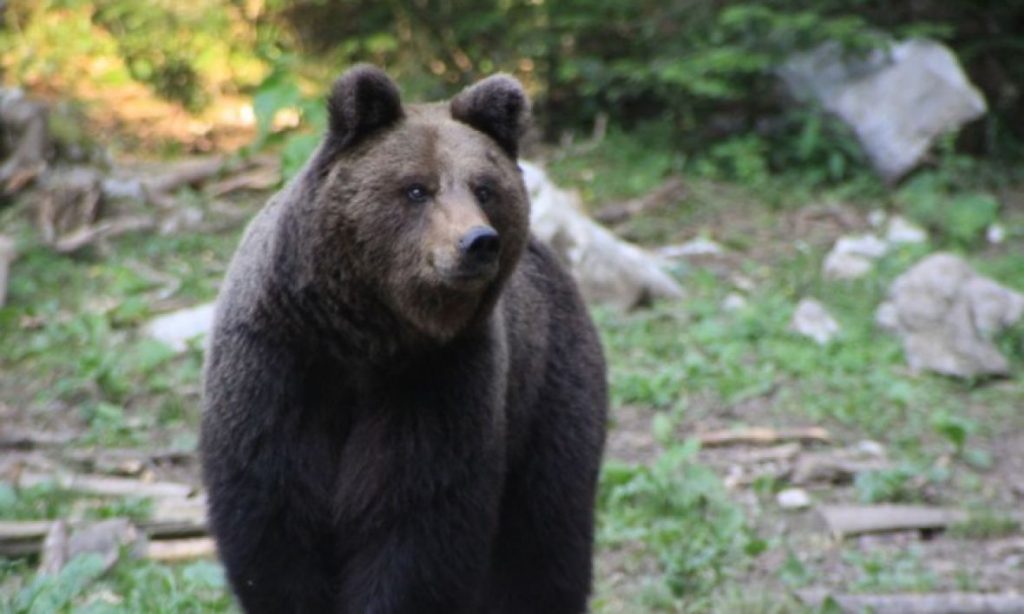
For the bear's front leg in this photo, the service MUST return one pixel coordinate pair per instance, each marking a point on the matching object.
(276, 560)
(267, 510)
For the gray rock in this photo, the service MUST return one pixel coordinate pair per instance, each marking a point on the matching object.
(897, 100)
(177, 328)
(946, 316)
(607, 269)
(811, 319)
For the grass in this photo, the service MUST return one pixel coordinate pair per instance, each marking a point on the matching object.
(671, 537)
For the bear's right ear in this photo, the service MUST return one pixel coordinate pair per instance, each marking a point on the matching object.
(362, 101)
(496, 106)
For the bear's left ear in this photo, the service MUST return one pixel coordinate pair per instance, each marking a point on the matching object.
(362, 101)
(496, 106)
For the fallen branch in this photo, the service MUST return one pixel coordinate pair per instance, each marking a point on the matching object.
(189, 172)
(260, 178)
(778, 453)
(107, 486)
(7, 256)
(763, 436)
(832, 469)
(928, 603)
(672, 190)
(27, 537)
(89, 235)
(858, 519)
(26, 123)
(171, 551)
(124, 461)
(28, 440)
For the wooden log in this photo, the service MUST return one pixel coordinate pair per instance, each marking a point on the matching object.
(20, 538)
(107, 486)
(849, 520)
(175, 550)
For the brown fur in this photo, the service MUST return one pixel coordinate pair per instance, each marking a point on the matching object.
(393, 424)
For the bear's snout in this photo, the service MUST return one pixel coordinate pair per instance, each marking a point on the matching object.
(480, 245)
(476, 257)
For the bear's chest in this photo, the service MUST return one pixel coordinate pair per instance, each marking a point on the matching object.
(397, 443)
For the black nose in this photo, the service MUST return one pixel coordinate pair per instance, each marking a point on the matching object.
(480, 243)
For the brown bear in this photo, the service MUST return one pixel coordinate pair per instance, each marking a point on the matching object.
(404, 396)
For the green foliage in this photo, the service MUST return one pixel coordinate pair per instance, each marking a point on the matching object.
(960, 217)
(904, 483)
(57, 593)
(881, 572)
(162, 589)
(624, 165)
(703, 70)
(45, 500)
(677, 511)
(132, 586)
(985, 524)
(184, 51)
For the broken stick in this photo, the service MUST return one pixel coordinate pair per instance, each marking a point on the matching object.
(763, 436)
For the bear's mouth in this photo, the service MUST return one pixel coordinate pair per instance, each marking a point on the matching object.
(470, 275)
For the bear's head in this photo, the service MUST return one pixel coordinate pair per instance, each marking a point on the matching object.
(421, 206)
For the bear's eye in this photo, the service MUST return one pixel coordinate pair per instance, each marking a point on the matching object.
(417, 193)
(483, 193)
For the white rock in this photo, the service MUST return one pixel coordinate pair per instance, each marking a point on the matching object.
(742, 282)
(869, 447)
(852, 256)
(946, 316)
(877, 217)
(811, 319)
(607, 269)
(697, 247)
(177, 328)
(902, 231)
(995, 234)
(866, 245)
(793, 499)
(844, 265)
(897, 100)
(734, 302)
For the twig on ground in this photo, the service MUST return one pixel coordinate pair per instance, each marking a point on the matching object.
(928, 603)
(763, 436)
(671, 190)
